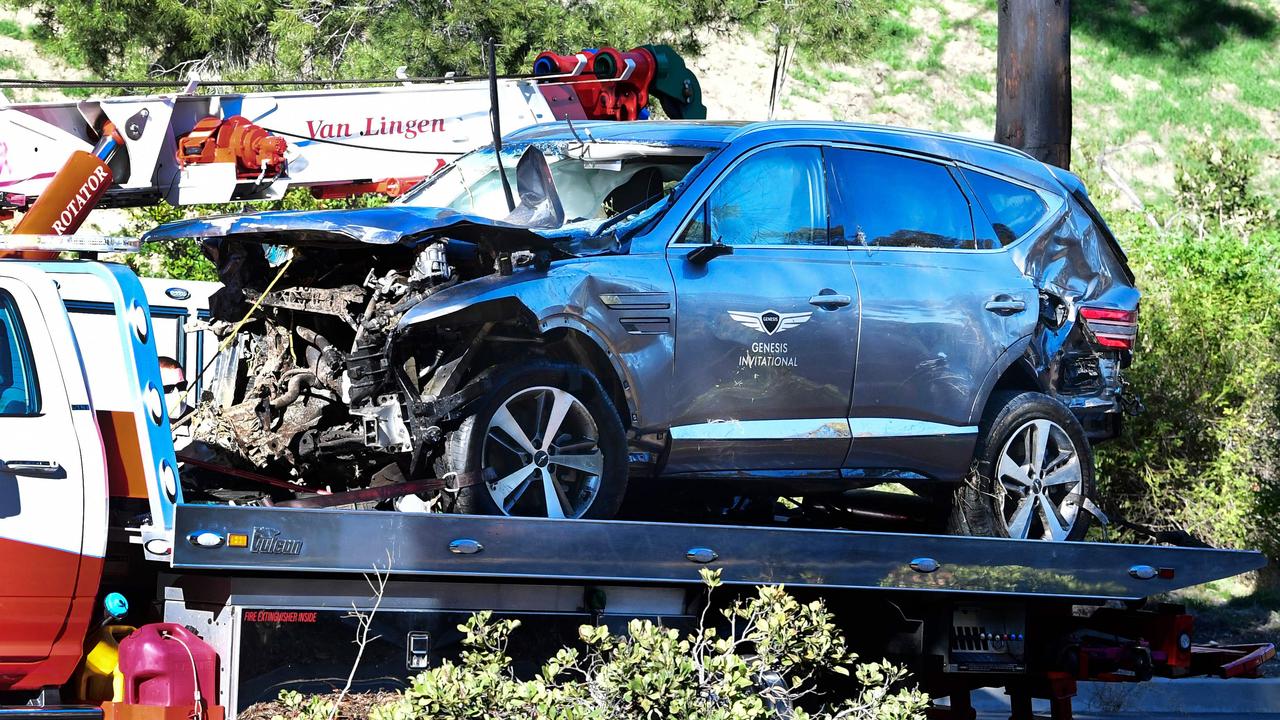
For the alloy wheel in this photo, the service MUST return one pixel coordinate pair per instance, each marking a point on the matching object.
(1039, 471)
(545, 449)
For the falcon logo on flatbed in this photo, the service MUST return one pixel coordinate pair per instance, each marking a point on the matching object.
(267, 541)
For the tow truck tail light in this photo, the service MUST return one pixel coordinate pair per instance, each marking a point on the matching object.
(1111, 328)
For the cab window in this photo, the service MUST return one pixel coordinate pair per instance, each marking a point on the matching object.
(18, 392)
(774, 197)
(886, 200)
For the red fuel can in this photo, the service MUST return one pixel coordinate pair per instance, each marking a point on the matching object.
(164, 663)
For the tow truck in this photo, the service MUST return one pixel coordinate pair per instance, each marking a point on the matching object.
(92, 509)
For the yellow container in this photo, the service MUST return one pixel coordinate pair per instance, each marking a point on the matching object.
(100, 677)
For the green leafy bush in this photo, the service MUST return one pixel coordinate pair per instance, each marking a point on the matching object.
(1205, 456)
(236, 39)
(779, 656)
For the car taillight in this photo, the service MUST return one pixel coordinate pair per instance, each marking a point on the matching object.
(1111, 328)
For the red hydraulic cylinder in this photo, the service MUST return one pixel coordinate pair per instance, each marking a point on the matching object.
(610, 84)
(549, 63)
(630, 74)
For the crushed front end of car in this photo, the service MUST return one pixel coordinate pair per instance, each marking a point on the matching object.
(315, 380)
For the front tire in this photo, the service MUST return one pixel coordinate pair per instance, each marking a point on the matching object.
(1033, 471)
(554, 440)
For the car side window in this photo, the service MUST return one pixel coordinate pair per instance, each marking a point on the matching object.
(1012, 209)
(774, 197)
(19, 394)
(695, 233)
(886, 200)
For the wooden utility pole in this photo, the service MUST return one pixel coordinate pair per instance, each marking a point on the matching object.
(1033, 86)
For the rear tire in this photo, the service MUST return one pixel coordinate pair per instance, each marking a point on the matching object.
(576, 469)
(1032, 472)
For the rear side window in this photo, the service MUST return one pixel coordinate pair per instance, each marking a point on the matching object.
(18, 392)
(1012, 209)
(884, 200)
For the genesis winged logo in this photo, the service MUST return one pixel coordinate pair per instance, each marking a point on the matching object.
(770, 322)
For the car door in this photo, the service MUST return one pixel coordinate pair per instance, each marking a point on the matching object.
(766, 337)
(42, 504)
(940, 305)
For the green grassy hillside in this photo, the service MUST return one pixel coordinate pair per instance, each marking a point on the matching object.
(1148, 78)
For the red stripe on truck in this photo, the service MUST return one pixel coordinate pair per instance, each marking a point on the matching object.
(46, 601)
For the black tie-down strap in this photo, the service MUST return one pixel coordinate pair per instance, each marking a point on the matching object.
(452, 482)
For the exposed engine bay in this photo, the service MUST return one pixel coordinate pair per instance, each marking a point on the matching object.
(302, 386)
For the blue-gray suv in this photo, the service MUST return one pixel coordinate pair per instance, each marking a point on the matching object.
(782, 308)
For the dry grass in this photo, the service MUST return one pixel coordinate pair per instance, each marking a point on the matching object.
(21, 57)
(1234, 611)
(356, 706)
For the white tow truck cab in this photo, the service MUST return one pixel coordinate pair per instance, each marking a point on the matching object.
(91, 503)
(67, 445)
(178, 310)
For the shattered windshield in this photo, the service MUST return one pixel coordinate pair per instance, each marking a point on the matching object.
(595, 181)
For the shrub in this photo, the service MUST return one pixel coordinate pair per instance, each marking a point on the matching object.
(779, 658)
(1205, 456)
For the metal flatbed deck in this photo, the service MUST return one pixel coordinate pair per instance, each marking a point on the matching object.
(294, 540)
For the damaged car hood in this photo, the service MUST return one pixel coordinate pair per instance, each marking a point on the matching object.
(390, 225)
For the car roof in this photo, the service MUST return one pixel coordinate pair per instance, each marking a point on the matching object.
(979, 153)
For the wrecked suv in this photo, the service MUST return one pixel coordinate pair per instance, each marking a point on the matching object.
(791, 309)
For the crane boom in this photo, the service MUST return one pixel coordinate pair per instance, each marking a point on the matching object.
(186, 148)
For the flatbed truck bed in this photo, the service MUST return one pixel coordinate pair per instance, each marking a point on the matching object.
(297, 540)
(962, 612)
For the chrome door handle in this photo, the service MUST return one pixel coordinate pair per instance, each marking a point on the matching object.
(830, 302)
(43, 468)
(1005, 305)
